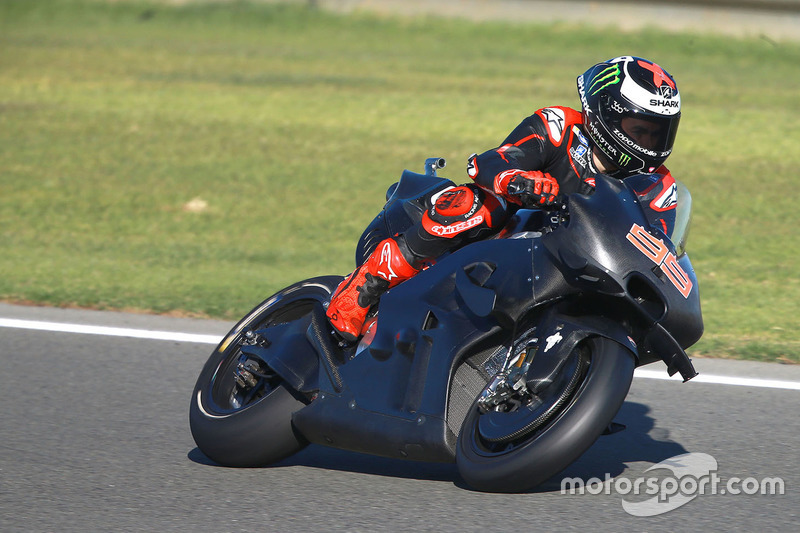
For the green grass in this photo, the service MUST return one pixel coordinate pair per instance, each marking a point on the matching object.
(291, 122)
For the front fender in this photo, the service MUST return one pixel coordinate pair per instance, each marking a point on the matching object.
(559, 334)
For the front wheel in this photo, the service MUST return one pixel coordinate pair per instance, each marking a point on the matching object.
(241, 410)
(517, 449)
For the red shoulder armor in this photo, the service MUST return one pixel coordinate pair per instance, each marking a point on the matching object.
(558, 120)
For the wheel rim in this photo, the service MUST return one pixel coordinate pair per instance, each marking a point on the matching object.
(501, 431)
(241, 380)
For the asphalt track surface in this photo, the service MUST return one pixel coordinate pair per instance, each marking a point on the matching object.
(95, 437)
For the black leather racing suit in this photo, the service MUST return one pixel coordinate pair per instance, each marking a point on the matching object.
(551, 140)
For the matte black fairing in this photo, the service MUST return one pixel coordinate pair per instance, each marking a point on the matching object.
(392, 398)
(403, 206)
(598, 252)
(423, 331)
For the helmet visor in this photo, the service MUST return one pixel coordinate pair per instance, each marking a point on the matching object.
(647, 134)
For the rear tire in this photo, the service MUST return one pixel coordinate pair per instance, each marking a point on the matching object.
(252, 425)
(524, 461)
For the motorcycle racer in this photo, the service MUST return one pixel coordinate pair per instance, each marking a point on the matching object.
(630, 116)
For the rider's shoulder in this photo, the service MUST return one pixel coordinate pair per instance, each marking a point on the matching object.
(567, 114)
(557, 120)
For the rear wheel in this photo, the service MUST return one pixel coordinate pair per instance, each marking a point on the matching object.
(241, 411)
(522, 444)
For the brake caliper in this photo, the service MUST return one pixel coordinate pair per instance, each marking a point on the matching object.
(506, 391)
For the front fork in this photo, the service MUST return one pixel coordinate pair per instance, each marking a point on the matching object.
(547, 349)
(511, 382)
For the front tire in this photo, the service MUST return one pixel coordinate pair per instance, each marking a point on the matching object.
(241, 411)
(530, 457)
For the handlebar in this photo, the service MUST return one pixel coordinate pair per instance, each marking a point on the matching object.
(532, 201)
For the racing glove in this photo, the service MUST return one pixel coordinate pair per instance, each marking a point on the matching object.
(530, 188)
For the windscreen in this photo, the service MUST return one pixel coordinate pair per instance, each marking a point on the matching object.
(667, 204)
(683, 218)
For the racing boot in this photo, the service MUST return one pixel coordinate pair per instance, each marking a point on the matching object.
(383, 269)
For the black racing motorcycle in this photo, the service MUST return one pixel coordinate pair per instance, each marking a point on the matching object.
(509, 356)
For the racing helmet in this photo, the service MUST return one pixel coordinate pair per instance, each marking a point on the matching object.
(631, 111)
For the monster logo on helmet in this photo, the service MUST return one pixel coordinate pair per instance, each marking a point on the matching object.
(631, 108)
(604, 78)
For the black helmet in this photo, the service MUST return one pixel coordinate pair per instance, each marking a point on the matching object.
(631, 110)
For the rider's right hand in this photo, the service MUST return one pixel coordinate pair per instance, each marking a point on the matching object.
(530, 188)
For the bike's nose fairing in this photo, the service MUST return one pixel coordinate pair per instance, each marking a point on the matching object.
(610, 246)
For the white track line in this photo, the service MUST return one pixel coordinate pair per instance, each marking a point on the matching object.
(109, 331)
(215, 339)
(721, 380)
